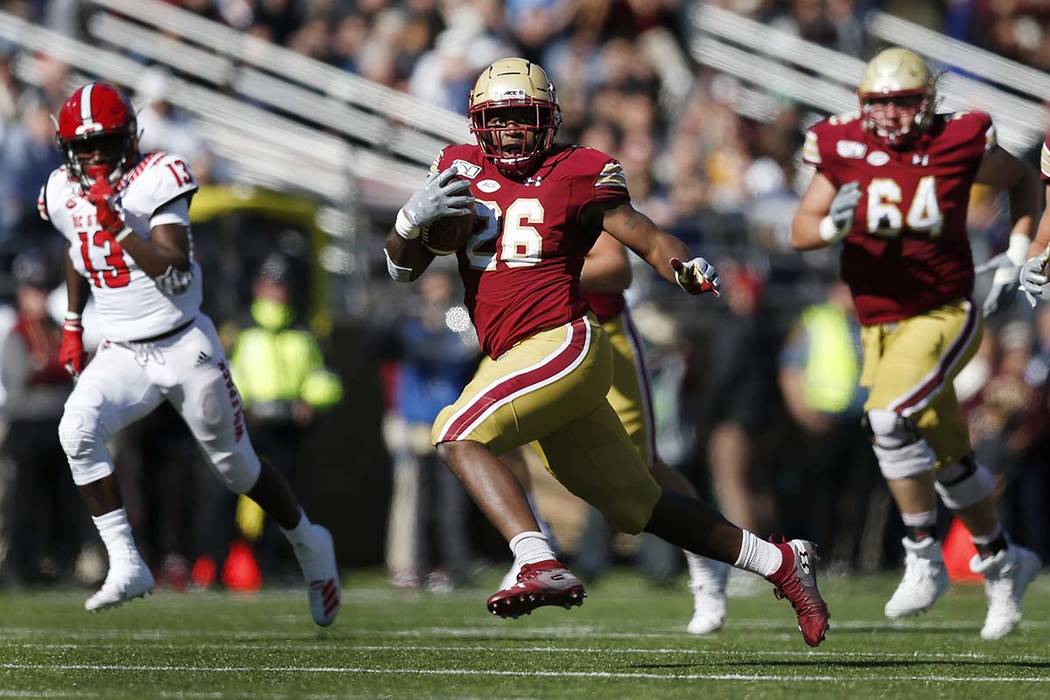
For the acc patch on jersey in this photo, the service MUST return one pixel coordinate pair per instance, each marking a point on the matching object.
(466, 169)
(851, 149)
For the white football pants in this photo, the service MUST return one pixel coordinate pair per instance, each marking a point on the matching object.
(126, 381)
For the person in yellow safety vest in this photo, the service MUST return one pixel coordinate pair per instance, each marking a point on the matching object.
(280, 372)
(819, 368)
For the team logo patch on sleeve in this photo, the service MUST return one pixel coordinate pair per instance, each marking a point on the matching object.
(612, 175)
(1044, 161)
(991, 140)
(811, 150)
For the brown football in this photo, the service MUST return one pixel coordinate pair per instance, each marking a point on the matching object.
(446, 236)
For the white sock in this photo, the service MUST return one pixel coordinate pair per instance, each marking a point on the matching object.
(115, 531)
(758, 556)
(704, 573)
(530, 548)
(302, 534)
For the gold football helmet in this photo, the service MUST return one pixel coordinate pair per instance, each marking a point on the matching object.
(514, 83)
(897, 72)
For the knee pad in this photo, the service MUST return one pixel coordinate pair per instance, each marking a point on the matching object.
(964, 483)
(238, 468)
(899, 446)
(83, 438)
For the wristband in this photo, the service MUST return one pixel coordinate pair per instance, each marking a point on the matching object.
(72, 316)
(1017, 251)
(404, 226)
(123, 234)
(829, 233)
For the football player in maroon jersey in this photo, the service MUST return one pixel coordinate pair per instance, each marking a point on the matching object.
(893, 184)
(549, 364)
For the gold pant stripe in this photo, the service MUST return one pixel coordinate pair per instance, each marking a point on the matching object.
(641, 371)
(502, 391)
(927, 389)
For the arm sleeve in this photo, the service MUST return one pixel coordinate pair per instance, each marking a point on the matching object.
(177, 212)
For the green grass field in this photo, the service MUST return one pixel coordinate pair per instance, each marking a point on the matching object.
(628, 641)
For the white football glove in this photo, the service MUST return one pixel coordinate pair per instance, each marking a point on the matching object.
(173, 281)
(839, 220)
(696, 276)
(1033, 278)
(1007, 267)
(443, 194)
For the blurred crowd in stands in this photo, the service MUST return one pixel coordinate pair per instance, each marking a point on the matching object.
(738, 403)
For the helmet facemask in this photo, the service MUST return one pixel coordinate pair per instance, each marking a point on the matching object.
(116, 151)
(514, 133)
(922, 101)
(899, 78)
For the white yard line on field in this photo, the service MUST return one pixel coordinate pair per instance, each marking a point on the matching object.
(350, 646)
(799, 678)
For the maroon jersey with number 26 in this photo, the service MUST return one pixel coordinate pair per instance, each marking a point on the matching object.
(908, 250)
(522, 271)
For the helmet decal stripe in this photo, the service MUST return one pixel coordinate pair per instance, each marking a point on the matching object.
(85, 105)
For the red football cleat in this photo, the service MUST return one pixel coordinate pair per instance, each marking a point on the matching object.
(543, 583)
(796, 580)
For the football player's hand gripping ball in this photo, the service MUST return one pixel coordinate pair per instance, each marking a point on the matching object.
(696, 276)
(443, 194)
(840, 216)
(71, 353)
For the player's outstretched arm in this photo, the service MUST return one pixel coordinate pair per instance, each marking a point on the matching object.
(825, 214)
(1033, 275)
(606, 269)
(667, 255)
(1001, 170)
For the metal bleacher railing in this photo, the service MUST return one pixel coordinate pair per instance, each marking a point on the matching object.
(377, 116)
(260, 148)
(781, 63)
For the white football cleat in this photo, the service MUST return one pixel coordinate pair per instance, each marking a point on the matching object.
(1006, 576)
(322, 575)
(925, 579)
(709, 595)
(125, 581)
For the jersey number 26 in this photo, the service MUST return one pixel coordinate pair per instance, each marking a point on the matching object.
(521, 244)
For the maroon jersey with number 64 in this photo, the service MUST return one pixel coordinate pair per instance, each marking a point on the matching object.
(908, 250)
(522, 271)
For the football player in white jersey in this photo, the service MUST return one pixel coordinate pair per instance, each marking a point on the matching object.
(125, 216)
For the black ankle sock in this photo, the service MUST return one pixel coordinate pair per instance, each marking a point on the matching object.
(992, 548)
(917, 533)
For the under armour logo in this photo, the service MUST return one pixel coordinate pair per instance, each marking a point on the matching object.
(534, 181)
(557, 577)
(803, 561)
(922, 160)
(202, 359)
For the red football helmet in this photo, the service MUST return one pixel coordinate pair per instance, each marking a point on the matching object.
(520, 86)
(97, 126)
